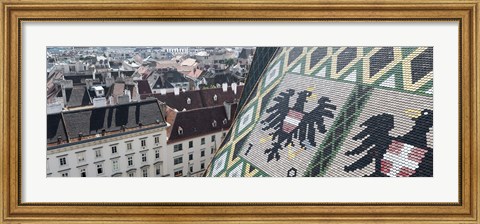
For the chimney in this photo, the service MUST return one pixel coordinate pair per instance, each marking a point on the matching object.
(224, 87)
(163, 91)
(129, 94)
(109, 81)
(163, 109)
(234, 88)
(176, 91)
(89, 83)
(66, 84)
(228, 109)
(64, 95)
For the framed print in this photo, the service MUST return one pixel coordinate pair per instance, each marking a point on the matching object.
(372, 106)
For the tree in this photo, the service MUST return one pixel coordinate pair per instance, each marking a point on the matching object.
(229, 62)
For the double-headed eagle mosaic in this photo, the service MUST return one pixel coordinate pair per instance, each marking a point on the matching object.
(290, 123)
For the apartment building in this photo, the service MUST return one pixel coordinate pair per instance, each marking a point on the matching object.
(127, 140)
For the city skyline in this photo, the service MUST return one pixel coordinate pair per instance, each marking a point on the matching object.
(133, 111)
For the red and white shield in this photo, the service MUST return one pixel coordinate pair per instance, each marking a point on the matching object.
(292, 120)
(401, 159)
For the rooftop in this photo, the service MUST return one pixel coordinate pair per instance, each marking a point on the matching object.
(188, 62)
(74, 126)
(198, 98)
(186, 125)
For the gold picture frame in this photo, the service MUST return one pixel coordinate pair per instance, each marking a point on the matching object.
(15, 12)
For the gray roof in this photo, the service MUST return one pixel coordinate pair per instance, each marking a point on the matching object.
(55, 128)
(93, 121)
(77, 96)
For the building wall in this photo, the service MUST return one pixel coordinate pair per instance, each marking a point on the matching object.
(196, 151)
(87, 150)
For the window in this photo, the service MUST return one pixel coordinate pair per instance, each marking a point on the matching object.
(189, 101)
(225, 121)
(202, 141)
(202, 153)
(131, 173)
(144, 157)
(157, 139)
(114, 149)
(143, 142)
(190, 156)
(83, 173)
(98, 153)
(157, 153)
(130, 160)
(145, 172)
(177, 147)
(63, 161)
(224, 134)
(212, 150)
(190, 144)
(214, 123)
(157, 169)
(99, 169)
(115, 165)
(65, 174)
(81, 157)
(202, 165)
(129, 146)
(213, 138)
(180, 130)
(191, 168)
(178, 173)
(177, 160)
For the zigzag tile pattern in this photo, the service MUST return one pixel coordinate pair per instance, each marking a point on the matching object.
(335, 112)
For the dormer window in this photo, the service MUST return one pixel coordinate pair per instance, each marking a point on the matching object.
(180, 130)
(215, 97)
(214, 123)
(189, 101)
(225, 121)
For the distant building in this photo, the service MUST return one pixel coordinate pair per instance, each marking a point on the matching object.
(168, 80)
(246, 57)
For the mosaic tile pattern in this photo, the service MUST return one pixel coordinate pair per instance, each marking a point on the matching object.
(335, 112)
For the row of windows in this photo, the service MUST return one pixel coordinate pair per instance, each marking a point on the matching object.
(99, 171)
(179, 147)
(81, 157)
(202, 166)
(179, 159)
(114, 150)
(132, 173)
(179, 172)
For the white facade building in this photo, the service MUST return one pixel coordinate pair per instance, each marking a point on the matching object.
(127, 140)
(191, 157)
(140, 153)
